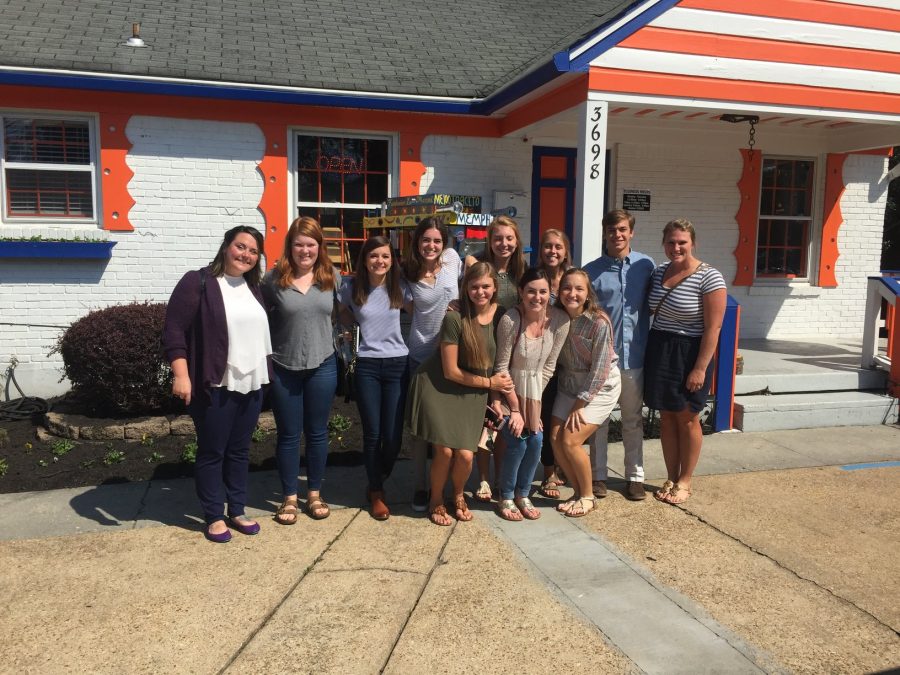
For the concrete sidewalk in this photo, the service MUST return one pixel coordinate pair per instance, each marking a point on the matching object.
(753, 574)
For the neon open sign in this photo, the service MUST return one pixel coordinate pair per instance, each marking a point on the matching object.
(340, 164)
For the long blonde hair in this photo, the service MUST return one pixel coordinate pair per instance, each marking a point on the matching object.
(323, 270)
(476, 353)
(517, 264)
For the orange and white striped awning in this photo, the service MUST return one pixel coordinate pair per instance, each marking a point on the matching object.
(812, 54)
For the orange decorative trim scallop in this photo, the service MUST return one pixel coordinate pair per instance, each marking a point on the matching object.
(114, 172)
(833, 218)
(411, 167)
(274, 170)
(747, 217)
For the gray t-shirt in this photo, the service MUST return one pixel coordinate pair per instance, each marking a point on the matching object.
(300, 324)
(379, 325)
(430, 306)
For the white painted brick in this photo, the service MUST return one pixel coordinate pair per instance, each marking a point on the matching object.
(187, 173)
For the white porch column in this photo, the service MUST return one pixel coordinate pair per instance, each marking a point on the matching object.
(590, 180)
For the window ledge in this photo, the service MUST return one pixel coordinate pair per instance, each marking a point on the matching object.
(785, 288)
(76, 250)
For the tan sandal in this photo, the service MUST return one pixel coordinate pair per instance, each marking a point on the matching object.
(662, 494)
(484, 494)
(678, 495)
(578, 509)
(287, 513)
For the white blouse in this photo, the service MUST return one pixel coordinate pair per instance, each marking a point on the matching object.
(248, 337)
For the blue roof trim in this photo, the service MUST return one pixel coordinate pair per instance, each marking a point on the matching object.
(537, 78)
(656, 9)
(231, 92)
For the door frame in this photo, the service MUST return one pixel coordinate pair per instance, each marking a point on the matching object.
(538, 152)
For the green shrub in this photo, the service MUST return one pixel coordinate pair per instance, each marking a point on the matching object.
(114, 360)
(189, 452)
(338, 425)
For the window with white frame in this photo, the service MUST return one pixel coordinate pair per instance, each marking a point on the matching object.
(48, 169)
(340, 179)
(785, 218)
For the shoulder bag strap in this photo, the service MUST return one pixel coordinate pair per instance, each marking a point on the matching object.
(701, 266)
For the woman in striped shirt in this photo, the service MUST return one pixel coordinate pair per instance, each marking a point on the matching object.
(589, 386)
(687, 301)
(373, 300)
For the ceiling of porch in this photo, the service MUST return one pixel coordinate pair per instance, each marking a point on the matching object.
(705, 116)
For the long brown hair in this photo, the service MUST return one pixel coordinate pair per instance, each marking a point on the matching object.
(412, 262)
(323, 270)
(517, 265)
(217, 266)
(476, 355)
(361, 288)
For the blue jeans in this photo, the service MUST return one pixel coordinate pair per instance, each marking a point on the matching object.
(381, 386)
(301, 401)
(223, 450)
(520, 461)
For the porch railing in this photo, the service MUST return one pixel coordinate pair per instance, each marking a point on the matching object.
(726, 367)
(881, 294)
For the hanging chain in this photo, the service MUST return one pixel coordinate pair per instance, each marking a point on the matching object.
(752, 141)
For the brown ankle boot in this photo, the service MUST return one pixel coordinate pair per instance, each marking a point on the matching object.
(380, 511)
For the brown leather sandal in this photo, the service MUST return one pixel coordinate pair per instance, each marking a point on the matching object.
(287, 513)
(317, 505)
(462, 509)
(441, 511)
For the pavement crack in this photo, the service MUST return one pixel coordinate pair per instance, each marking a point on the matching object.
(142, 505)
(438, 561)
(268, 617)
(791, 571)
(394, 570)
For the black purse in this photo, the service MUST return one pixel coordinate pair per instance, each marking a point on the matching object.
(345, 353)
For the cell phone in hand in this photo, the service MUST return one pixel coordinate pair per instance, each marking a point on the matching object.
(493, 420)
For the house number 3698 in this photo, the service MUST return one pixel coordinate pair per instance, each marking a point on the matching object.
(595, 148)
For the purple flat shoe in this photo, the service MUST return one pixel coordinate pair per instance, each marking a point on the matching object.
(244, 528)
(221, 538)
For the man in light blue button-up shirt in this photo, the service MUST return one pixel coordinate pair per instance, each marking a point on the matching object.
(621, 279)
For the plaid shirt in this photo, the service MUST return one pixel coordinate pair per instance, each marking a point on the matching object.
(587, 356)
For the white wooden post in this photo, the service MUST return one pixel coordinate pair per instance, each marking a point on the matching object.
(870, 327)
(590, 181)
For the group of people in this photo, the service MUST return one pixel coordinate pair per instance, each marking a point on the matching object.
(501, 360)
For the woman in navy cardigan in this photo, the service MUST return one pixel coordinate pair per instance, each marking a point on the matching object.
(216, 337)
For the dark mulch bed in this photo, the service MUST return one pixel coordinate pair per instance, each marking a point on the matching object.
(32, 465)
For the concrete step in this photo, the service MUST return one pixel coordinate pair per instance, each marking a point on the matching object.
(810, 410)
(851, 379)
